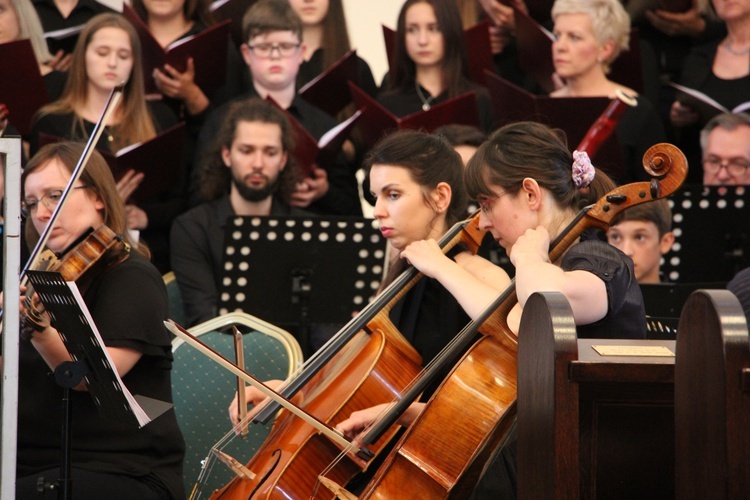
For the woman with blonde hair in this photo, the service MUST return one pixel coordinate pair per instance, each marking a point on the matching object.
(107, 54)
(589, 36)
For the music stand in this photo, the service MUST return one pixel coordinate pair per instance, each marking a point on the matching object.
(91, 363)
(297, 271)
(664, 303)
(712, 234)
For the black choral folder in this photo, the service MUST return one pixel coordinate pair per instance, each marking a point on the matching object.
(329, 90)
(376, 120)
(159, 158)
(573, 115)
(22, 90)
(208, 50)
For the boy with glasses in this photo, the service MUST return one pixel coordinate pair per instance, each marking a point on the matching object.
(273, 52)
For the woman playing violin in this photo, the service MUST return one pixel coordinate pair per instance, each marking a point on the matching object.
(530, 188)
(128, 303)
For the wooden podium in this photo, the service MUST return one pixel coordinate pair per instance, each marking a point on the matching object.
(592, 425)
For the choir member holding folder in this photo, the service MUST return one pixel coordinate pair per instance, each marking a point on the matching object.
(327, 41)
(106, 55)
(589, 35)
(172, 22)
(430, 61)
(23, 48)
(62, 21)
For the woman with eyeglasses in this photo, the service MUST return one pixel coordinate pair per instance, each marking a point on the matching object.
(127, 299)
(530, 187)
(108, 54)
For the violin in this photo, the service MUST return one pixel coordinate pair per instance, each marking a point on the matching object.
(98, 250)
(444, 452)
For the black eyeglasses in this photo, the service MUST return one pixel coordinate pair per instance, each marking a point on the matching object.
(50, 200)
(286, 49)
(735, 166)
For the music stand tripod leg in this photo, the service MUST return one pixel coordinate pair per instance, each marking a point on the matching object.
(68, 375)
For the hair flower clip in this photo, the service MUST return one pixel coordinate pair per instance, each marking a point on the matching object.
(583, 170)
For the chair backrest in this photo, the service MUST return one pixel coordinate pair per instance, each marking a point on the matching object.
(202, 390)
(176, 308)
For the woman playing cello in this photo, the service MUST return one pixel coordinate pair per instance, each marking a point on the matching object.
(128, 303)
(417, 181)
(530, 188)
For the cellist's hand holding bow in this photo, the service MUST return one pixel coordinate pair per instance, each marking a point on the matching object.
(360, 420)
(253, 397)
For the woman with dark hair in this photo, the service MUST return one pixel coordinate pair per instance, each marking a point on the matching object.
(326, 40)
(128, 303)
(171, 21)
(107, 54)
(430, 62)
(530, 188)
(416, 180)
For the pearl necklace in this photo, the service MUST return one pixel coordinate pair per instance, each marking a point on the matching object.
(732, 51)
(425, 100)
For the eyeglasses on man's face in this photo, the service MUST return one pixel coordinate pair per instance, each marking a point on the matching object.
(736, 167)
(265, 50)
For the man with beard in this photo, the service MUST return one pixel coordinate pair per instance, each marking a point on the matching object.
(248, 172)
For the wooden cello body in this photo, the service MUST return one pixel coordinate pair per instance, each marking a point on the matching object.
(374, 366)
(444, 452)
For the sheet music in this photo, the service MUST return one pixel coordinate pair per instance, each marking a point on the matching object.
(143, 419)
(76, 327)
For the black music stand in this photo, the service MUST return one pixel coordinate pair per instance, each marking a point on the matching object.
(712, 234)
(664, 303)
(301, 272)
(91, 363)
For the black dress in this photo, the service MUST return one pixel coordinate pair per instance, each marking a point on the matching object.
(128, 303)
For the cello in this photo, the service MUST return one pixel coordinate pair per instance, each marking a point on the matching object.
(429, 462)
(368, 362)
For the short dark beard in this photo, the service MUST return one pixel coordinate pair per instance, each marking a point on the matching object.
(252, 194)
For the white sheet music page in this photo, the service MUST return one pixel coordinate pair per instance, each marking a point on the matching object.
(141, 415)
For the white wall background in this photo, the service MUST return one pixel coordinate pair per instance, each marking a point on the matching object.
(365, 19)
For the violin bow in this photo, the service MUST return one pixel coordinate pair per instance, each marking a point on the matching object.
(88, 150)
